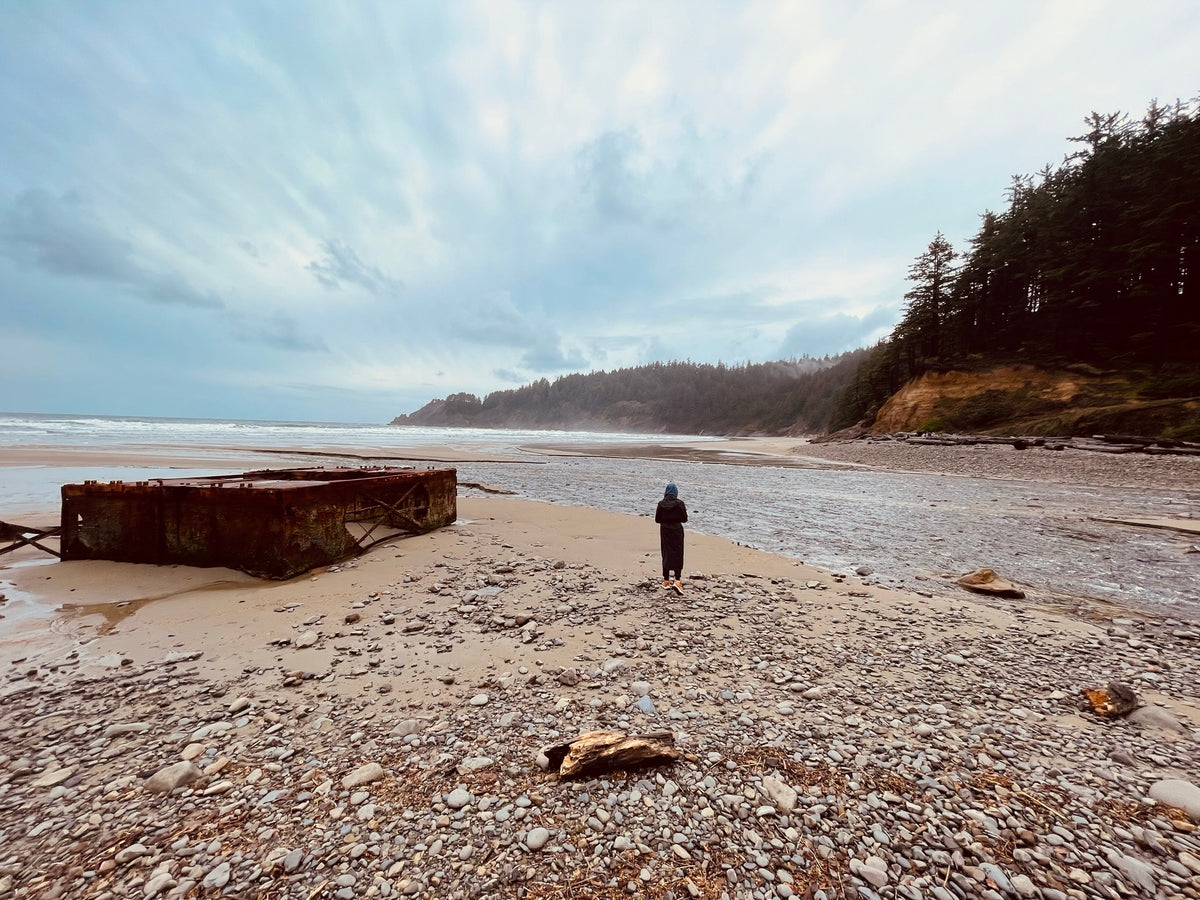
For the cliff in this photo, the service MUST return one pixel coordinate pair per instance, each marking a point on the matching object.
(1022, 399)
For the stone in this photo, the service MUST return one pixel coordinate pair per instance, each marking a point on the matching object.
(367, 773)
(780, 793)
(1176, 792)
(157, 883)
(1134, 870)
(536, 839)
(218, 877)
(1115, 700)
(474, 764)
(130, 853)
(985, 581)
(458, 798)
(53, 777)
(1156, 717)
(167, 779)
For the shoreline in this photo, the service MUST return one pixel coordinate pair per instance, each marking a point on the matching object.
(998, 461)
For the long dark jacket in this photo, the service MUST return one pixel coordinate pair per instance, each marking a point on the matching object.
(670, 516)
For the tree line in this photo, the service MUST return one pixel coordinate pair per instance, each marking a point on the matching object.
(1096, 261)
(796, 396)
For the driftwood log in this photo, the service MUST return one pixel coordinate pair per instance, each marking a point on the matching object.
(1099, 443)
(597, 752)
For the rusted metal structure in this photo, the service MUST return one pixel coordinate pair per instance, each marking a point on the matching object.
(13, 537)
(272, 523)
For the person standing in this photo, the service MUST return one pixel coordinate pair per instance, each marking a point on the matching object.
(670, 516)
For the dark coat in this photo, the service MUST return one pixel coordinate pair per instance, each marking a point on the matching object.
(670, 516)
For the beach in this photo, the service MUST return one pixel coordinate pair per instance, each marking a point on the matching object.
(374, 728)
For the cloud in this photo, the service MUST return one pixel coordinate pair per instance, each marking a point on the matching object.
(341, 265)
(836, 332)
(547, 355)
(278, 331)
(64, 236)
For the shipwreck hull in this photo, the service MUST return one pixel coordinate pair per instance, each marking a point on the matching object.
(270, 523)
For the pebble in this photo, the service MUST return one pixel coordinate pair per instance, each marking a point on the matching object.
(892, 748)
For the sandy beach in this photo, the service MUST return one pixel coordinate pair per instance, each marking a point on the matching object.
(373, 729)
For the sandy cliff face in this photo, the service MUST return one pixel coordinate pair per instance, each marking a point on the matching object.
(940, 401)
(1023, 399)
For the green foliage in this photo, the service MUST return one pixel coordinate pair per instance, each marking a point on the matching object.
(789, 396)
(1095, 262)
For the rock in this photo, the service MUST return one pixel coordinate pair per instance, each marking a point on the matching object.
(1156, 717)
(218, 877)
(130, 853)
(1135, 870)
(52, 777)
(480, 700)
(1115, 700)
(157, 883)
(306, 640)
(238, 705)
(781, 794)
(458, 798)
(367, 773)
(646, 705)
(118, 729)
(1178, 793)
(166, 780)
(985, 581)
(474, 764)
(536, 839)
(615, 666)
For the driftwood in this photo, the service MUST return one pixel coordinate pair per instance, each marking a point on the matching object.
(598, 752)
(1098, 443)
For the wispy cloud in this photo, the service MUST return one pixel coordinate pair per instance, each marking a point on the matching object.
(64, 236)
(339, 265)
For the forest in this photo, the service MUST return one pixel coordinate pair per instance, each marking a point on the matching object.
(796, 396)
(1093, 263)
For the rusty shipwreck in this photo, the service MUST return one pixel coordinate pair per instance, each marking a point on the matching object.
(271, 523)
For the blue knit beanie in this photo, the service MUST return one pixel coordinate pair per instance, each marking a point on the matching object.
(672, 491)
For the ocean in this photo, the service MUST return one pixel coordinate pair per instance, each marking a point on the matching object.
(905, 529)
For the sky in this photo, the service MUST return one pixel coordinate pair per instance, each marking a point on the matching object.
(337, 211)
